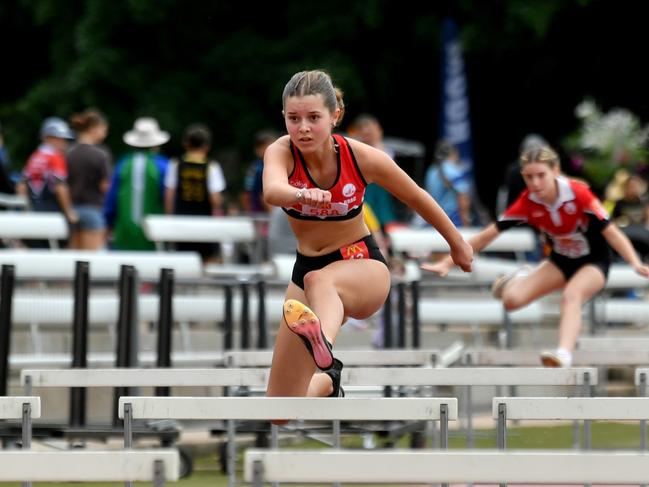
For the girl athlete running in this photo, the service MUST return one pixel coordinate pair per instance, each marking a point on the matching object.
(577, 228)
(319, 180)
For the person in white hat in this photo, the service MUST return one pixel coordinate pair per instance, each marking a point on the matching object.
(44, 178)
(136, 189)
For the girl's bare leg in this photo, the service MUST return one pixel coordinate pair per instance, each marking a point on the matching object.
(332, 293)
(522, 290)
(582, 286)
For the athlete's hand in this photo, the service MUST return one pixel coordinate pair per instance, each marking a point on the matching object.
(315, 197)
(441, 267)
(642, 269)
(462, 255)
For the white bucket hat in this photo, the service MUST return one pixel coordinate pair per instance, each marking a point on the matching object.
(146, 133)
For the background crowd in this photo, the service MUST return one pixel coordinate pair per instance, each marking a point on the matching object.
(72, 171)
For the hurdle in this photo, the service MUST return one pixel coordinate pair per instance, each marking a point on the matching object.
(89, 466)
(351, 358)
(288, 408)
(567, 408)
(24, 408)
(580, 358)
(444, 466)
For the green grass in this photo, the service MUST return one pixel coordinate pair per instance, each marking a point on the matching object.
(605, 435)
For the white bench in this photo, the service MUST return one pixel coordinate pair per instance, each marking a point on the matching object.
(8, 200)
(398, 467)
(18, 225)
(39, 264)
(427, 240)
(44, 309)
(107, 359)
(162, 229)
(89, 466)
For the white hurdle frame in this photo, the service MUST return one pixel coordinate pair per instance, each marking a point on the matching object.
(641, 375)
(290, 408)
(89, 466)
(24, 408)
(464, 466)
(351, 358)
(360, 376)
(567, 408)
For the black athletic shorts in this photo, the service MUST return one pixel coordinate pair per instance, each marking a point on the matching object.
(569, 266)
(366, 248)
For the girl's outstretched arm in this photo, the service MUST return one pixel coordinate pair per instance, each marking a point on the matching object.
(377, 167)
(623, 246)
(478, 242)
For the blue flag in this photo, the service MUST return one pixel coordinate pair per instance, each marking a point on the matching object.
(454, 116)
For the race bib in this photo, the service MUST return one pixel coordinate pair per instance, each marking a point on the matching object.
(332, 209)
(572, 245)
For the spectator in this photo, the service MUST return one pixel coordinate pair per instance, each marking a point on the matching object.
(368, 130)
(136, 188)
(194, 185)
(44, 178)
(630, 209)
(5, 162)
(6, 185)
(252, 198)
(448, 184)
(89, 166)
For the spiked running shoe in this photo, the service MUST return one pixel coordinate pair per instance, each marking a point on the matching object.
(305, 324)
(335, 372)
(499, 284)
(556, 358)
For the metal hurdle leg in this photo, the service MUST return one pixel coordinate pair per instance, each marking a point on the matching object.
(128, 433)
(27, 432)
(158, 474)
(274, 445)
(232, 454)
(337, 443)
(258, 474)
(501, 434)
(443, 430)
(642, 391)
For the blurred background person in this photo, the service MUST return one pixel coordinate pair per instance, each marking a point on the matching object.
(6, 184)
(194, 185)
(137, 186)
(89, 167)
(367, 128)
(446, 182)
(44, 178)
(252, 197)
(630, 208)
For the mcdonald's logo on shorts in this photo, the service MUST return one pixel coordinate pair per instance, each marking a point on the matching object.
(357, 250)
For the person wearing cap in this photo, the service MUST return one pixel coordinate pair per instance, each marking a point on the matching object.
(137, 186)
(44, 178)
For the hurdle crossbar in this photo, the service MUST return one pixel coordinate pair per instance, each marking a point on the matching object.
(89, 466)
(444, 466)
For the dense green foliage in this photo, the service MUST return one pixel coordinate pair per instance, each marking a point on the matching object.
(225, 63)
